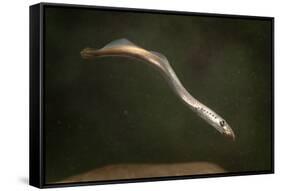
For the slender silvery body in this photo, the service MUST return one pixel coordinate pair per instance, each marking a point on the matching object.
(125, 48)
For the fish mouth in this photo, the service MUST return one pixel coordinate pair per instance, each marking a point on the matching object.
(230, 134)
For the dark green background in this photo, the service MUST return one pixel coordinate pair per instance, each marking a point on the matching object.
(118, 110)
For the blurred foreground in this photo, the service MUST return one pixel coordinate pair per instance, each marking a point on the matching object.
(133, 171)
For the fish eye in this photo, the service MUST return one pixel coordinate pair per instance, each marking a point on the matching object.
(222, 123)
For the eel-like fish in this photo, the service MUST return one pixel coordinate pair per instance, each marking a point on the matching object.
(125, 48)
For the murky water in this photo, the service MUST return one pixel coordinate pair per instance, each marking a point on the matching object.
(118, 110)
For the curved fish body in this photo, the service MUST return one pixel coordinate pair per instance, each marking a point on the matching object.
(125, 48)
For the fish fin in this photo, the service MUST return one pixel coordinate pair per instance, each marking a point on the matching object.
(161, 56)
(119, 42)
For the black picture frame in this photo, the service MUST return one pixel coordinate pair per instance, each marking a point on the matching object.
(37, 94)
